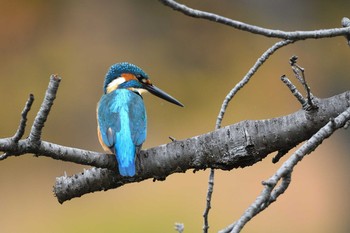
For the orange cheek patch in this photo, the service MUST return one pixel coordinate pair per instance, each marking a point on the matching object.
(128, 76)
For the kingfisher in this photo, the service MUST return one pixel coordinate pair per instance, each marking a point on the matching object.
(121, 113)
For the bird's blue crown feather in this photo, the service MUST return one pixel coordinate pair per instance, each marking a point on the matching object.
(117, 69)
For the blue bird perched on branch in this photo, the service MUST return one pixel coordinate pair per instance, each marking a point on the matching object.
(121, 113)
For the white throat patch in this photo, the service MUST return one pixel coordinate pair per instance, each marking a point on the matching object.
(139, 90)
(114, 84)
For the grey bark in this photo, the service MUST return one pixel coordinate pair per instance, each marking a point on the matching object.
(238, 145)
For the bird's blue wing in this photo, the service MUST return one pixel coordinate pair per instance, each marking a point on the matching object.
(138, 123)
(122, 124)
(108, 121)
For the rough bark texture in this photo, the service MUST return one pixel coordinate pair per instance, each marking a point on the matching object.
(238, 145)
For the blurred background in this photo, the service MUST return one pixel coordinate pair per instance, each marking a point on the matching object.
(196, 61)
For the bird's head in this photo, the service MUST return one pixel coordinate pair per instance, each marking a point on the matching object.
(129, 76)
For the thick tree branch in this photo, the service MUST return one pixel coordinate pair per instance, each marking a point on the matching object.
(238, 145)
(293, 35)
(58, 152)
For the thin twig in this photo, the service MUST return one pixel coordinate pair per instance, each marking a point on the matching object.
(21, 128)
(299, 73)
(22, 125)
(294, 91)
(248, 76)
(208, 203)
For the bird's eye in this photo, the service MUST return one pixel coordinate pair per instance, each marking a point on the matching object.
(139, 77)
(142, 79)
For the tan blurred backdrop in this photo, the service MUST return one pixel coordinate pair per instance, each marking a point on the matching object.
(194, 60)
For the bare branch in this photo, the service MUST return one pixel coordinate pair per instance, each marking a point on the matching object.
(21, 128)
(293, 35)
(299, 73)
(208, 203)
(270, 193)
(22, 125)
(238, 145)
(345, 22)
(294, 90)
(58, 152)
(34, 145)
(247, 77)
(35, 133)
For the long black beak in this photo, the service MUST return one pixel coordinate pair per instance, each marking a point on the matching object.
(161, 94)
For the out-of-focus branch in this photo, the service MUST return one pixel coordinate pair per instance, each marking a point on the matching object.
(285, 35)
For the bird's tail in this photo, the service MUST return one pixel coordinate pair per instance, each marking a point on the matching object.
(126, 159)
(127, 170)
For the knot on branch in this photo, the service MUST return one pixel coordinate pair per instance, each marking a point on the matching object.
(345, 22)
